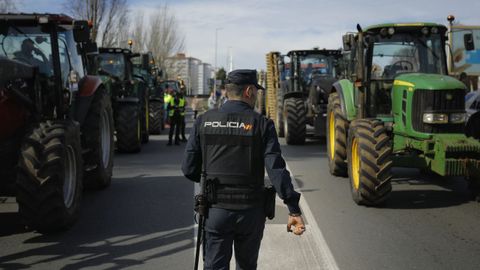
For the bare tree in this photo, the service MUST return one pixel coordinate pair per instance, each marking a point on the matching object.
(109, 17)
(161, 36)
(7, 6)
(116, 23)
(139, 33)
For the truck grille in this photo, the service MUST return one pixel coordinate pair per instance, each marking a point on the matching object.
(440, 101)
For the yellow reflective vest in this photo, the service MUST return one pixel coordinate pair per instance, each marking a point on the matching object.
(181, 106)
(166, 100)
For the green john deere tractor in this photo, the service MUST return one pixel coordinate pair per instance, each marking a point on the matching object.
(398, 107)
(129, 97)
(145, 68)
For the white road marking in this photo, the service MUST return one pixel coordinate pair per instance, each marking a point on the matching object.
(327, 261)
(298, 253)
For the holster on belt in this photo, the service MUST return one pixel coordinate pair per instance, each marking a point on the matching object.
(270, 195)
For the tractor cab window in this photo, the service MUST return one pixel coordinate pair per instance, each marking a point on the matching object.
(173, 85)
(403, 53)
(112, 63)
(137, 66)
(70, 60)
(29, 45)
(285, 71)
(315, 65)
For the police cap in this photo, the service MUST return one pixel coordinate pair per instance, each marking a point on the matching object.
(243, 77)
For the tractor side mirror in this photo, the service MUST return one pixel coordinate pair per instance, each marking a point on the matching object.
(81, 31)
(145, 62)
(468, 42)
(347, 42)
(90, 48)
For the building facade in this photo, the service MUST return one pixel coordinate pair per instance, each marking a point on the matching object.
(196, 75)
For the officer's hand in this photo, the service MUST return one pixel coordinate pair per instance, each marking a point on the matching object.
(297, 224)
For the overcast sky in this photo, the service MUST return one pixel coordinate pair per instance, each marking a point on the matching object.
(251, 28)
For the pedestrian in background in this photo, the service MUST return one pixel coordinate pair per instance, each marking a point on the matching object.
(212, 100)
(223, 97)
(195, 104)
(235, 156)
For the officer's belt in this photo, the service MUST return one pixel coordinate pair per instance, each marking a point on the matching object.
(239, 196)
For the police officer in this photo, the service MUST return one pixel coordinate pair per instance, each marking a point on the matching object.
(176, 108)
(237, 144)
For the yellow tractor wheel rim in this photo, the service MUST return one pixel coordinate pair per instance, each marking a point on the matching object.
(355, 164)
(331, 130)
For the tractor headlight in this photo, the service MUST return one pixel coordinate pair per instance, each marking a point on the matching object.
(435, 118)
(457, 118)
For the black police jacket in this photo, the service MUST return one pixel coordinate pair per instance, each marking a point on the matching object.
(269, 149)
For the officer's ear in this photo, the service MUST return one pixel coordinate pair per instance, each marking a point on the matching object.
(249, 91)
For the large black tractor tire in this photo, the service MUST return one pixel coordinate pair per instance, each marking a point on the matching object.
(145, 129)
(474, 185)
(472, 129)
(128, 124)
(337, 127)
(97, 137)
(279, 123)
(295, 115)
(155, 117)
(369, 162)
(49, 180)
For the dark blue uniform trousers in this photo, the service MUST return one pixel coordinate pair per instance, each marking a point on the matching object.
(242, 228)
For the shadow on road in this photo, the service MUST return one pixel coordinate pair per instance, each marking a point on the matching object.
(11, 224)
(136, 220)
(425, 199)
(306, 151)
(413, 190)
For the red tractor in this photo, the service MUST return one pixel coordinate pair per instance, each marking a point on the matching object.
(56, 128)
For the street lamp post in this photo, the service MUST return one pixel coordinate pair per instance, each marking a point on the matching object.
(215, 68)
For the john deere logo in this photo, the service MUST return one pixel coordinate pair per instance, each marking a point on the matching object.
(449, 96)
(218, 124)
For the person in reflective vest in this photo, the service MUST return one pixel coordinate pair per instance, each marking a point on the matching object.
(176, 109)
(182, 116)
(234, 145)
(166, 101)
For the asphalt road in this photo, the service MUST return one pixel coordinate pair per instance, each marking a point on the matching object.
(144, 221)
(427, 223)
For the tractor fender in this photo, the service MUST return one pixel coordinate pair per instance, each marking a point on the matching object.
(88, 85)
(82, 106)
(345, 91)
(472, 127)
(300, 95)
